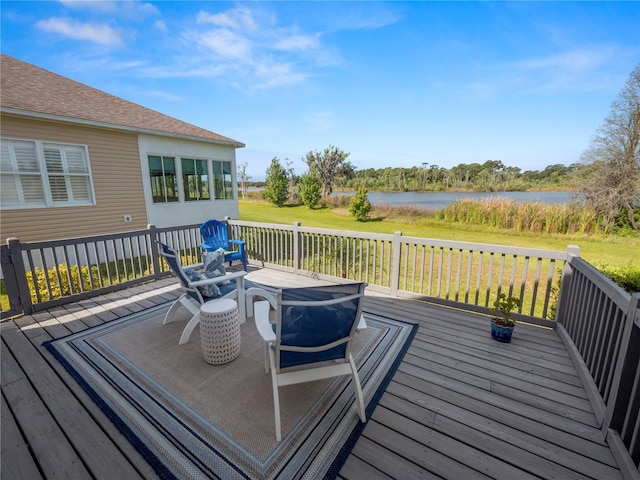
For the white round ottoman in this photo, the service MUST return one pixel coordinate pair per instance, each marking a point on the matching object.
(220, 331)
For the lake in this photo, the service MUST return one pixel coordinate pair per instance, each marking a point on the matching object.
(439, 200)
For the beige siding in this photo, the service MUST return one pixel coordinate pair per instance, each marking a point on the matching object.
(117, 179)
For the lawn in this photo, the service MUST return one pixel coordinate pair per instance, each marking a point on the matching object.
(611, 250)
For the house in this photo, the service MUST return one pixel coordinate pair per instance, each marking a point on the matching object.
(77, 161)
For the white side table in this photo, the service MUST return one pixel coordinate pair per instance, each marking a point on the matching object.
(220, 331)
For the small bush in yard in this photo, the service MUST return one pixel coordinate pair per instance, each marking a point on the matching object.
(360, 205)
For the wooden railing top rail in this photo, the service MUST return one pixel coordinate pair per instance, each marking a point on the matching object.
(462, 245)
(607, 286)
(487, 247)
(80, 240)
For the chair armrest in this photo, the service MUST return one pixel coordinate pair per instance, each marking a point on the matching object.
(262, 293)
(220, 279)
(195, 266)
(240, 243)
(261, 315)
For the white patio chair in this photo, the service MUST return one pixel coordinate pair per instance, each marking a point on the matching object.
(230, 285)
(311, 336)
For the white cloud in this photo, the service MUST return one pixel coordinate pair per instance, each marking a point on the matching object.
(582, 69)
(97, 33)
(237, 18)
(223, 43)
(164, 95)
(251, 44)
(250, 48)
(125, 6)
(576, 60)
(298, 42)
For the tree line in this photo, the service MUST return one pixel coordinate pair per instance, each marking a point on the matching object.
(608, 175)
(489, 176)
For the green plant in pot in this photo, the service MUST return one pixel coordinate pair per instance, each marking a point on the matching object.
(502, 324)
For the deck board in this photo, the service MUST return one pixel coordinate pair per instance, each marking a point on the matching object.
(460, 405)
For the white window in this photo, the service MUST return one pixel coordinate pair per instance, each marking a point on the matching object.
(195, 180)
(43, 174)
(222, 184)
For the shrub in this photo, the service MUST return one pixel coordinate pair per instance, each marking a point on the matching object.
(276, 190)
(59, 281)
(360, 205)
(626, 277)
(310, 188)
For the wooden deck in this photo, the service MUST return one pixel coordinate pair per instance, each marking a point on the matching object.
(460, 406)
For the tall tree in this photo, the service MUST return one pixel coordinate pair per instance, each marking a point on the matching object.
(613, 182)
(244, 178)
(327, 164)
(276, 189)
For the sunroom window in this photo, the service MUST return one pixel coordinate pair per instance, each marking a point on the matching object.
(222, 182)
(195, 179)
(164, 181)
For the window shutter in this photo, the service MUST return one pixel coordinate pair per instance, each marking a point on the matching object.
(26, 157)
(20, 157)
(75, 160)
(32, 189)
(53, 160)
(80, 189)
(58, 187)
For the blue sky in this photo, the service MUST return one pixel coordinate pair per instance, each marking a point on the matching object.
(391, 83)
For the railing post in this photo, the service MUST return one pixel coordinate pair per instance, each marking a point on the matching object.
(296, 247)
(20, 275)
(155, 253)
(395, 275)
(565, 281)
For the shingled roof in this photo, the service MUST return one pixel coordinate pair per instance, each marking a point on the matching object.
(33, 91)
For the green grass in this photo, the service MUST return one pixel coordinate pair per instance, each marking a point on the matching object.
(611, 250)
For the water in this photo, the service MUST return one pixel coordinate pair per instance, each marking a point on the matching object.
(439, 200)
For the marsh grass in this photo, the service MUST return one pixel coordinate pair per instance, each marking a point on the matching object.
(533, 217)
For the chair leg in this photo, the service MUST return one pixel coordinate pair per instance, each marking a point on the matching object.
(242, 304)
(276, 397)
(358, 388)
(267, 348)
(188, 330)
(173, 309)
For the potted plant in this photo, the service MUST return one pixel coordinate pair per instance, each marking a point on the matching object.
(502, 324)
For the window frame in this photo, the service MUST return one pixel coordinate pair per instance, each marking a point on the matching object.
(226, 186)
(203, 193)
(165, 190)
(46, 176)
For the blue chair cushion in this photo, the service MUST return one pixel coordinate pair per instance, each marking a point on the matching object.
(312, 327)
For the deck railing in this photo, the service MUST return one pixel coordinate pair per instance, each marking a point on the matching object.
(444, 271)
(600, 325)
(39, 275)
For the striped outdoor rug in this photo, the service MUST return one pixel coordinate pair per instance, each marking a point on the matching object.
(190, 419)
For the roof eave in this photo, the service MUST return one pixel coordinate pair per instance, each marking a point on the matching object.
(125, 128)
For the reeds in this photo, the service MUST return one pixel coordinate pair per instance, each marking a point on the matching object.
(535, 217)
